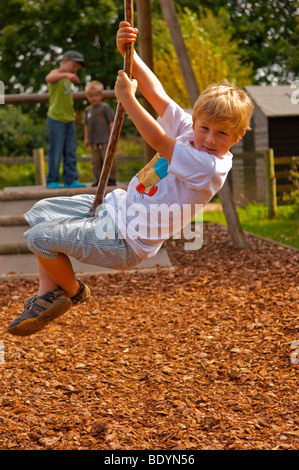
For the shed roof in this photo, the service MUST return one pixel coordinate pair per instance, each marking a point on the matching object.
(274, 101)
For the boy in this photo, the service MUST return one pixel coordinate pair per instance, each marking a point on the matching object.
(61, 121)
(192, 164)
(98, 122)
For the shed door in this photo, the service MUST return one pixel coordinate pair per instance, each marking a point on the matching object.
(284, 136)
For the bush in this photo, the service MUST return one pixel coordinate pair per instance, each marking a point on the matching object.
(20, 133)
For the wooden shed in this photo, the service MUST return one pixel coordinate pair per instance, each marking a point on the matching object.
(275, 124)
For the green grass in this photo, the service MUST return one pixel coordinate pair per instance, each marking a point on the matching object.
(254, 218)
(16, 175)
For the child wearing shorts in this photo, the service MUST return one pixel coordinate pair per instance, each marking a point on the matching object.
(191, 165)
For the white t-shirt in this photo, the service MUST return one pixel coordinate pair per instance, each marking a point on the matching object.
(164, 197)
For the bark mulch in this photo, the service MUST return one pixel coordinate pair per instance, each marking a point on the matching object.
(200, 356)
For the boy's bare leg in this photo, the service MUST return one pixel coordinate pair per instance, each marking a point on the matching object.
(57, 272)
(46, 283)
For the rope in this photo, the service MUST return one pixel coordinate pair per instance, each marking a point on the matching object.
(118, 120)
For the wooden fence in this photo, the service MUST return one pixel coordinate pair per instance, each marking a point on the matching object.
(278, 178)
(38, 159)
(247, 178)
(262, 177)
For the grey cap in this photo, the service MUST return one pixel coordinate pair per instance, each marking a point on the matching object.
(75, 56)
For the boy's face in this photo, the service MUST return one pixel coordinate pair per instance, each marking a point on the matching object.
(212, 137)
(71, 66)
(94, 98)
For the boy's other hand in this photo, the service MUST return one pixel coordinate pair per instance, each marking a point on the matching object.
(125, 34)
(124, 86)
(74, 78)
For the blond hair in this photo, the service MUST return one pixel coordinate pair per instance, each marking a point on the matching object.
(225, 103)
(94, 87)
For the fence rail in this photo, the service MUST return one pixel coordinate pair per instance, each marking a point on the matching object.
(34, 98)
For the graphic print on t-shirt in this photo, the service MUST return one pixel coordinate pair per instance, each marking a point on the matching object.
(153, 172)
(67, 87)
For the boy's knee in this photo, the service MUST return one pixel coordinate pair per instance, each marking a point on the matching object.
(31, 236)
(40, 204)
(37, 242)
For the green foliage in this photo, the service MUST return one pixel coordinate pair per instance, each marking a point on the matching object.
(16, 175)
(269, 32)
(130, 146)
(214, 55)
(35, 34)
(19, 132)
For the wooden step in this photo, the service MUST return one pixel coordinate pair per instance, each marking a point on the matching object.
(18, 200)
(24, 265)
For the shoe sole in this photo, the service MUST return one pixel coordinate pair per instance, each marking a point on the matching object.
(33, 325)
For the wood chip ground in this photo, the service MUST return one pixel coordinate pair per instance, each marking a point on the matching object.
(200, 356)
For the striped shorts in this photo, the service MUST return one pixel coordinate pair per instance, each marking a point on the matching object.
(63, 225)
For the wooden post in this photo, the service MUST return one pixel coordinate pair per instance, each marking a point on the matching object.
(39, 165)
(144, 16)
(171, 18)
(118, 120)
(231, 215)
(225, 195)
(271, 184)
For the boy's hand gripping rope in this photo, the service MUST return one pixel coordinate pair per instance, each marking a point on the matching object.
(119, 117)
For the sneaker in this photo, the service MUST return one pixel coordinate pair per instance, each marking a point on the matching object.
(30, 300)
(111, 182)
(40, 311)
(82, 295)
(75, 184)
(54, 185)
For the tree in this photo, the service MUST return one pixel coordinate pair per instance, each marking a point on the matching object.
(35, 33)
(268, 34)
(213, 53)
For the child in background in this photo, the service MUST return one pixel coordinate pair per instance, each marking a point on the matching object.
(192, 162)
(61, 122)
(98, 122)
